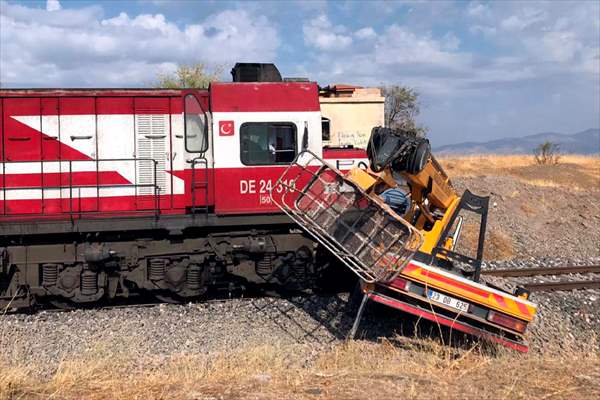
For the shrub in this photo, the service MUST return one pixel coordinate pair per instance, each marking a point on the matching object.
(547, 153)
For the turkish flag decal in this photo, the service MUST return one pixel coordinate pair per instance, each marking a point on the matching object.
(226, 128)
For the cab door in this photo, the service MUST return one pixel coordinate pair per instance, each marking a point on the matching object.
(196, 160)
(250, 160)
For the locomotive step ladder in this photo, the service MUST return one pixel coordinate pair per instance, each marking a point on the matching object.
(200, 185)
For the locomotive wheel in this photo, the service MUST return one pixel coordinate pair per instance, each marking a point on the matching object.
(171, 298)
(62, 304)
(168, 298)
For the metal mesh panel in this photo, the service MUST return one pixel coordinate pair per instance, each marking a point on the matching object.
(367, 235)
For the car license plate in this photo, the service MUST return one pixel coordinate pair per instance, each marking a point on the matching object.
(448, 301)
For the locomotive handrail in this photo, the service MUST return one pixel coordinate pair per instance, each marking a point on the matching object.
(71, 186)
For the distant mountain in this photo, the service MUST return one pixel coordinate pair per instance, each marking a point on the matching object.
(585, 142)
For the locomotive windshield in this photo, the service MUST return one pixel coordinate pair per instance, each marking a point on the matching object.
(196, 137)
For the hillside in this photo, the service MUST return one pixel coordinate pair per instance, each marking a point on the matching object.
(584, 142)
(536, 210)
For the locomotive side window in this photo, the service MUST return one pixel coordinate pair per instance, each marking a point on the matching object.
(267, 143)
(196, 134)
(325, 128)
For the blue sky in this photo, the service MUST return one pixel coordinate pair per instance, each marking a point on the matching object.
(484, 69)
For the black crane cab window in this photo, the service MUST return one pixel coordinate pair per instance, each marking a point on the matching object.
(268, 143)
(196, 130)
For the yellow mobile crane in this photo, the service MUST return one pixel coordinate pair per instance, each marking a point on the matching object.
(397, 225)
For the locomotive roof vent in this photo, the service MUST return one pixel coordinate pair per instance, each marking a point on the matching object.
(255, 72)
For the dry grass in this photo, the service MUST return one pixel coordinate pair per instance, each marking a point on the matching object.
(354, 370)
(573, 171)
(498, 245)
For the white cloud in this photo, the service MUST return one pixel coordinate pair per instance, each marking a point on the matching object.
(79, 46)
(320, 33)
(401, 46)
(590, 61)
(531, 48)
(450, 41)
(549, 37)
(478, 10)
(312, 5)
(484, 30)
(144, 21)
(515, 62)
(560, 46)
(526, 18)
(520, 68)
(365, 33)
(398, 55)
(53, 5)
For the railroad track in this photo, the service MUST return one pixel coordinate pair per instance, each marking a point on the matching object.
(544, 271)
(128, 303)
(547, 271)
(562, 285)
(508, 272)
(102, 307)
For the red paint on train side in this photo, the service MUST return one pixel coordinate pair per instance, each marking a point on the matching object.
(98, 102)
(64, 179)
(38, 160)
(87, 207)
(329, 153)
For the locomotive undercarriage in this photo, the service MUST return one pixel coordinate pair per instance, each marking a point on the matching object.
(87, 269)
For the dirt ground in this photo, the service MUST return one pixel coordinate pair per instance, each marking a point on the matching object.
(572, 171)
(407, 369)
(536, 212)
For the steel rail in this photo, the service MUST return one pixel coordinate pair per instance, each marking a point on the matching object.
(562, 285)
(131, 303)
(77, 307)
(516, 272)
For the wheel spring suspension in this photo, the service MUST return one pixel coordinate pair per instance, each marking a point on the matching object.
(49, 274)
(302, 262)
(264, 266)
(156, 269)
(89, 283)
(194, 278)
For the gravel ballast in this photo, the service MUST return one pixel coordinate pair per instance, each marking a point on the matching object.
(45, 338)
(312, 323)
(564, 318)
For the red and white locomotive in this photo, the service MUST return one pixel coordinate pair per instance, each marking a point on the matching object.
(108, 192)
